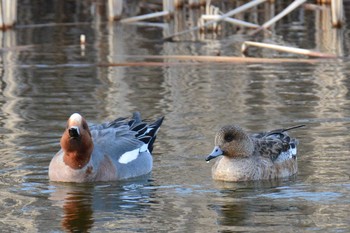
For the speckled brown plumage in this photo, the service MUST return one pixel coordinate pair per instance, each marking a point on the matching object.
(259, 156)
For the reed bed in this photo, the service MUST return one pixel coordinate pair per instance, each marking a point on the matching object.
(213, 20)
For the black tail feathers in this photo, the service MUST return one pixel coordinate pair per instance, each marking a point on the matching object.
(146, 132)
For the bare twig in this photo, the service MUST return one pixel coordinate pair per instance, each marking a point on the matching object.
(228, 14)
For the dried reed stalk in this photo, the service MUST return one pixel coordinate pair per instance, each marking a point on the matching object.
(231, 20)
(143, 17)
(279, 16)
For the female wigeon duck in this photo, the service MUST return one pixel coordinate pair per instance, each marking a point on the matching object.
(260, 156)
(115, 150)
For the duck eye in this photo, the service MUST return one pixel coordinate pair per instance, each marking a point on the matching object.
(228, 137)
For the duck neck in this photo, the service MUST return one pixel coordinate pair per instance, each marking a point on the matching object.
(77, 159)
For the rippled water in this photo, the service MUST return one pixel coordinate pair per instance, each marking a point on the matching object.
(46, 75)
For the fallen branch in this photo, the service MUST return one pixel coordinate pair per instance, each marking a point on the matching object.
(137, 64)
(286, 49)
(225, 59)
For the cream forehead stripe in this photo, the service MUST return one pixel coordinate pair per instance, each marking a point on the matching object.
(75, 118)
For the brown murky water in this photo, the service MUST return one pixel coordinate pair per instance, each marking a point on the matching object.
(46, 75)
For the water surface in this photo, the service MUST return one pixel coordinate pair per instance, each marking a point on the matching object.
(46, 75)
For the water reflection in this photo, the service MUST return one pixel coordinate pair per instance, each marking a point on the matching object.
(82, 203)
(78, 214)
(76, 202)
(286, 204)
(237, 206)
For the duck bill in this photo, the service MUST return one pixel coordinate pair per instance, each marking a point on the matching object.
(215, 153)
(74, 132)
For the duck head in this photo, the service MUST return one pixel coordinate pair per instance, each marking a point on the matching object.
(232, 141)
(76, 142)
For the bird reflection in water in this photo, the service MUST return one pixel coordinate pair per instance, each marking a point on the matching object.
(76, 203)
(78, 213)
(82, 203)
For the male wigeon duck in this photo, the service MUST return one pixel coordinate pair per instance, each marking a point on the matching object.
(259, 156)
(115, 150)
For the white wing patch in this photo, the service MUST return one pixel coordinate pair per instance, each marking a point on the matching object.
(129, 156)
